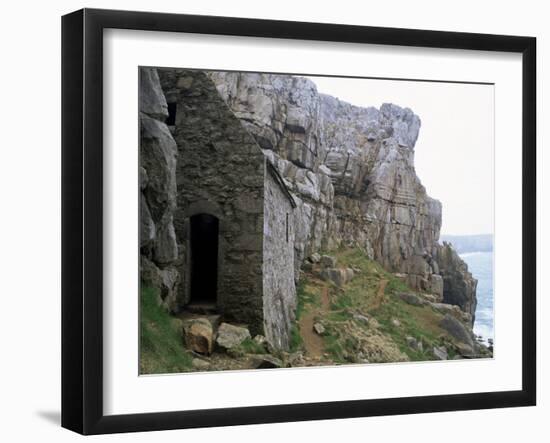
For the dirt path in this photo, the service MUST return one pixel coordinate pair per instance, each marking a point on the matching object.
(313, 342)
(379, 295)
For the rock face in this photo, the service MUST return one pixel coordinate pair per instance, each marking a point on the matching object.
(459, 287)
(157, 178)
(352, 174)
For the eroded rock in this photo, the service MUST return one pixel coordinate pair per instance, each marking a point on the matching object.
(328, 261)
(266, 361)
(440, 352)
(231, 336)
(457, 329)
(198, 335)
(319, 328)
(411, 299)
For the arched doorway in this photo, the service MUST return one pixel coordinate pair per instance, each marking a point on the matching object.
(204, 258)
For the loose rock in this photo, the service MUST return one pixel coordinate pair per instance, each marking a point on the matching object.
(361, 318)
(200, 365)
(230, 336)
(328, 261)
(266, 361)
(319, 328)
(198, 335)
(457, 330)
(440, 352)
(411, 298)
(315, 258)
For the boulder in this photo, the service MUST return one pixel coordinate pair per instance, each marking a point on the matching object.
(198, 335)
(266, 361)
(446, 308)
(337, 275)
(411, 342)
(328, 261)
(295, 359)
(319, 328)
(465, 350)
(440, 352)
(411, 299)
(361, 318)
(430, 298)
(457, 329)
(315, 258)
(230, 336)
(200, 364)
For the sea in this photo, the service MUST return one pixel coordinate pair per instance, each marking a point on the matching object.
(480, 264)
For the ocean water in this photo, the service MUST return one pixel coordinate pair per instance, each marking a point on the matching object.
(480, 264)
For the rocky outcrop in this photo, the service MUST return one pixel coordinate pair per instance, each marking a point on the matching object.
(352, 174)
(157, 181)
(459, 287)
(457, 329)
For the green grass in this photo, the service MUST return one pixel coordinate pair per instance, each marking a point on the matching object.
(249, 346)
(358, 296)
(161, 347)
(420, 322)
(296, 341)
(396, 285)
(334, 347)
(306, 294)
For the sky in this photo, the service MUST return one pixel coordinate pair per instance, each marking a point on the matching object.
(455, 147)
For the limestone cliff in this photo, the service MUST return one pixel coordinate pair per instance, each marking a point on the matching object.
(350, 169)
(352, 172)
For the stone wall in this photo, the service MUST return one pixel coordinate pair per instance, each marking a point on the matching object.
(157, 182)
(278, 266)
(220, 171)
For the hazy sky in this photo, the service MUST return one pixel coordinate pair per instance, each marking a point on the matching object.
(455, 147)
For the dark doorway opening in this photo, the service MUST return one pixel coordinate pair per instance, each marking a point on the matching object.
(204, 258)
(171, 119)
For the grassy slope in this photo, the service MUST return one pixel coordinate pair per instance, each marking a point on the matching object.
(381, 340)
(161, 348)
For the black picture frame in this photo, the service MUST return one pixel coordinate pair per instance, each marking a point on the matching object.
(82, 218)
